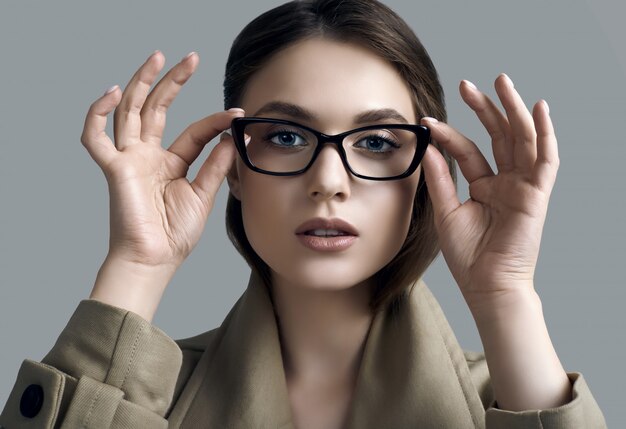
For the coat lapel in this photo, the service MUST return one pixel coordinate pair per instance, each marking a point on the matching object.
(244, 384)
(413, 372)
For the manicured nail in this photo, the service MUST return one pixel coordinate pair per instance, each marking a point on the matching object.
(110, 90)
(470, 84)
(235, 110)
(547, 107)
(187, 56)
(431, 120)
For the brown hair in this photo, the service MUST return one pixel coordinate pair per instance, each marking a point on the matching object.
(371, 24)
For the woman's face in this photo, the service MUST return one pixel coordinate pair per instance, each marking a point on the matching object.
(335, 82)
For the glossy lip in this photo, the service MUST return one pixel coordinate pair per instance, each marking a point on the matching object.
(327, 244)
(323, 223)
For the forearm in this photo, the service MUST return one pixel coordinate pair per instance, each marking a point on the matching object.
(131, 286)
(525, 370)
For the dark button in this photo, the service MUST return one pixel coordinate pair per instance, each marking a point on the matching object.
(32, 400)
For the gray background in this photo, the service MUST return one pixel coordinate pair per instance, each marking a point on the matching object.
(57, 58)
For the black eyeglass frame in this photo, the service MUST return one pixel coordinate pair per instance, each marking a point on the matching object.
(238, 126)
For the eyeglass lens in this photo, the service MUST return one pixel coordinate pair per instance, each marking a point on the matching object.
(380, 152)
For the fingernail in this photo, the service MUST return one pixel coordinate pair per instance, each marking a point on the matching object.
(153, 54)
(224, 135)
(547, 107)
(111, 89)
(187, 56)
(470, 84)
(431, 120)
(235, 110)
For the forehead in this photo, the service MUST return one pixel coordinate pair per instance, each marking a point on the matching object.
(335, 81)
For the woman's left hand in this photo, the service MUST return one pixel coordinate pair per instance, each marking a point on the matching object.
(491, 241)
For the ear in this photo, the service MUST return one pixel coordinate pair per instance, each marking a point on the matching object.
(232, 177)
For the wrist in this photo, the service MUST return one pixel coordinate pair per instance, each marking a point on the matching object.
(494, 307)
(132, 286)
(525, 370)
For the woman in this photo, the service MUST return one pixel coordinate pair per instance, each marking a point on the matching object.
(335, 329)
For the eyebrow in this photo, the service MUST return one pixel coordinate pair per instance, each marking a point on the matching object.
(302, 113)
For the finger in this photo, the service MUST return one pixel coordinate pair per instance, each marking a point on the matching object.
(193, 139)
(214, 170)
(127, 121)
(522, 126)
(161, 97)
(471, 161)
(440, 185)
(94, 137)
(544, 173)
(495, 123)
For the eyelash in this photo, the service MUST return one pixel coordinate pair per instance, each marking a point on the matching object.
(281, 131)
(384, 139)
(378, 136)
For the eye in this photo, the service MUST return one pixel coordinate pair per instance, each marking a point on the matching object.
(377, 143)
(286, 138)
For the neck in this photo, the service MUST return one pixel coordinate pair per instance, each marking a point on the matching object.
(322, 332)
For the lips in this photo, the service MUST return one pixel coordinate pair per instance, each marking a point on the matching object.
(333, 226)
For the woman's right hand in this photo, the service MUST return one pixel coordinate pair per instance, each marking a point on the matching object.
(156, 215)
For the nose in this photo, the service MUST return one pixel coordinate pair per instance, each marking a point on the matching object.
(328, 178)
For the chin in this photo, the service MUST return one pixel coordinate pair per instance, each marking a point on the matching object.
(330, 275)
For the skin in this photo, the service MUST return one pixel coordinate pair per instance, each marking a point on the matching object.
(322, 298)
(490, 242)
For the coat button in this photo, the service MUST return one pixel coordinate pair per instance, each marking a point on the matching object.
(32, 400)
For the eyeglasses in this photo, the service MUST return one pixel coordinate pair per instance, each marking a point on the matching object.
(376, 152)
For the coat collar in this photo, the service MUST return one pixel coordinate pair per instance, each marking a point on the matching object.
(413, 372)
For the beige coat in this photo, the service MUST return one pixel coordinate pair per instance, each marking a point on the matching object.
(110, 368)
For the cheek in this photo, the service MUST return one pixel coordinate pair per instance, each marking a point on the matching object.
(389, 211)
(273, 207)
(264, 206)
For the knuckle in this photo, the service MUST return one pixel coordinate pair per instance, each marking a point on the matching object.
(92, 111)
(126, 109)
(190, 134)
(498, 135)
(181, 80)
(159, 109)
(131, 110)
(180, 73)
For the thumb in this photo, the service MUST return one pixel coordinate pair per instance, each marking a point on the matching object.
(440, 185)
(214, 169)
